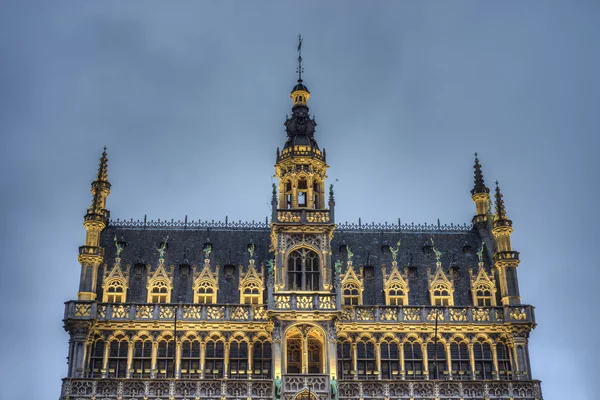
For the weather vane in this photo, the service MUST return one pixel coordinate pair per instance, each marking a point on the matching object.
(300, 69)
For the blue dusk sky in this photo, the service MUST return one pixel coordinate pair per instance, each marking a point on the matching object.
(190, 98)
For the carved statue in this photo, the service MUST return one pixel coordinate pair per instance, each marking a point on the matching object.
(438, 254)
(162, 249)
(207, 249)
(119, 247)
(395, 250)
(334, 389)
(277, 388)
(251, 250)
(480, 252)
(350, 253)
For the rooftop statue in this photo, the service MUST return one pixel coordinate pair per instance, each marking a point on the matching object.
(480, 252)
(350, 253)
(119, 247)
(270, 267)
(438, 254)
(395, 250)
(338, 267)
(162, 249)
(251, 248)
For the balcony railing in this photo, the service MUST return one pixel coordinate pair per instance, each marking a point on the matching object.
(166, 389)
(304, 302)
(258, 389)
(303, 216)
(454, 315)
(184, 312)
(298, 302)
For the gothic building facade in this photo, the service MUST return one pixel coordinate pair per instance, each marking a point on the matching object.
(298, 307)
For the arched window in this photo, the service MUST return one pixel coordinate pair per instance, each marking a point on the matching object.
(484, 296)
(165, 358)
(441, 295)
(205, 293)
(294, 354)
(483, 360)
(390, 360)
(251, 293)
(316, 195)
(96, 358)
(396, 295)
(461, 363)
(142, 358)
(238, 359)
(117, 357)
(413, 360)
(365, 360)
(159, 293)
(303, 270)
(437, 369)
(115, 291)
(261, 360)
(344, 357)
(504, 365)
(190, 359)
(351, 294)
(288, 195)
(214, 359)
(314, 355)
(302, 189)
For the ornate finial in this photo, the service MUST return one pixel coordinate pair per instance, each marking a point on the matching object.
(119, 246)
(102, 175)
(480, 252)
(438, 254)
(350, 253)
(500, 210)
(479, 183)
(162, 249)
(395, 250)
(300, 69)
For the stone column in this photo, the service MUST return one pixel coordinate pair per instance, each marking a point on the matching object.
(472, 360)
(130, 348)
(202, 358)
(105, 360)
(495, 361)
(449, 360)
(425, 360)
(154, 355)
(332, 352)
(304, 354)
(177, 359)
(402, 370)
(226, 362)
(250, 359)
(355, 360)
(79, 332)
(378, 359)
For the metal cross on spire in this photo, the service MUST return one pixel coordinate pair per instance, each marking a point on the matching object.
(300, 70)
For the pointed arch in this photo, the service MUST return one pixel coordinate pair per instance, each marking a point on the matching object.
(395, 286)
(352, 287)
(252, 285)
(441, 289)
(160, 285)
(206, 285)
(483, 288)
(114, 284)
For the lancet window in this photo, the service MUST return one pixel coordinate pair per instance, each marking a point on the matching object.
(303, 270)
(390, 360)
(503, 356)
(365, 360)
(238, 359)
(395, 287)
(344, 357)
(352, 287)
(160, 285)
(483, 288)
(190, 359)
(294, 354)
(252, 286)
(165, 358)
(214, 359)
(96, 358)
(262, 359)
(206, 285)
(436, 359)
(482, 353)
(461, 362)
(117, 357)
(413, 360)
(142, 358)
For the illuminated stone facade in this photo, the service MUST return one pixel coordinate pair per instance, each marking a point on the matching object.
(298, 307)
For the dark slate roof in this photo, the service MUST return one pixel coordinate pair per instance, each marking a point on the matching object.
(230, 248)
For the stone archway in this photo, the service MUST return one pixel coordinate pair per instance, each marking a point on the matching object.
(306, 395)
(305, 350)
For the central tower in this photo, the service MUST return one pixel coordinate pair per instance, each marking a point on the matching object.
(302, 225)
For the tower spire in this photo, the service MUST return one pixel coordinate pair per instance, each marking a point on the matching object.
(300, 69)
(480, 195)
(500, 209)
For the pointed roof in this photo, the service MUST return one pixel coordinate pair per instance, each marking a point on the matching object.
(479, 186)
(207, 274)
(351, 275)
(102, 175)
(116, 273)
(500, 215)
(395, 276)
(252, 274)
(439, 277)
(160, 274)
